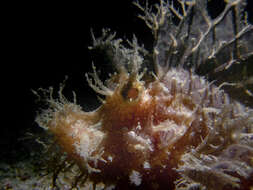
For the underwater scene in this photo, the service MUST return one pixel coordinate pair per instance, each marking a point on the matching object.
(170, 107)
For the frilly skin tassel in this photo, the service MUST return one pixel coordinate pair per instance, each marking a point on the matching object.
(173, 128)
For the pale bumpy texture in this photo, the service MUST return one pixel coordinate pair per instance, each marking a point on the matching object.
(173, 127)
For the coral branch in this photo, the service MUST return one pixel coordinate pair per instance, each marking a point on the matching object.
(224, 44)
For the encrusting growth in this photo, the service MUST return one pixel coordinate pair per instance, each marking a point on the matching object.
(171, 129)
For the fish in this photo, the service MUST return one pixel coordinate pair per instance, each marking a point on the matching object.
(177, 117)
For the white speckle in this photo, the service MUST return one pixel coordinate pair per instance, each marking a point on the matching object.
(135, 178)
(146, 165)
(132, 134)
(145, 98)
(78, 124)
(110, 187)
(74, 133)
(192, 134)
(165, 89)
(69, 119)
(211, 110)
(100, 186)
(110, 158)
(138, 126)
(139, 147)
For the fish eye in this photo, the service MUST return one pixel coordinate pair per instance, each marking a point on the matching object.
(132, 94)
(129, 92)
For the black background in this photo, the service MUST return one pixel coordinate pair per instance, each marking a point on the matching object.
(44, 42)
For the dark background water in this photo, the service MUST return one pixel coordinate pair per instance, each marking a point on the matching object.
(45, 41)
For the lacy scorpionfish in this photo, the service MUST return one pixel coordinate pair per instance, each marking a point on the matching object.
(187, 124)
